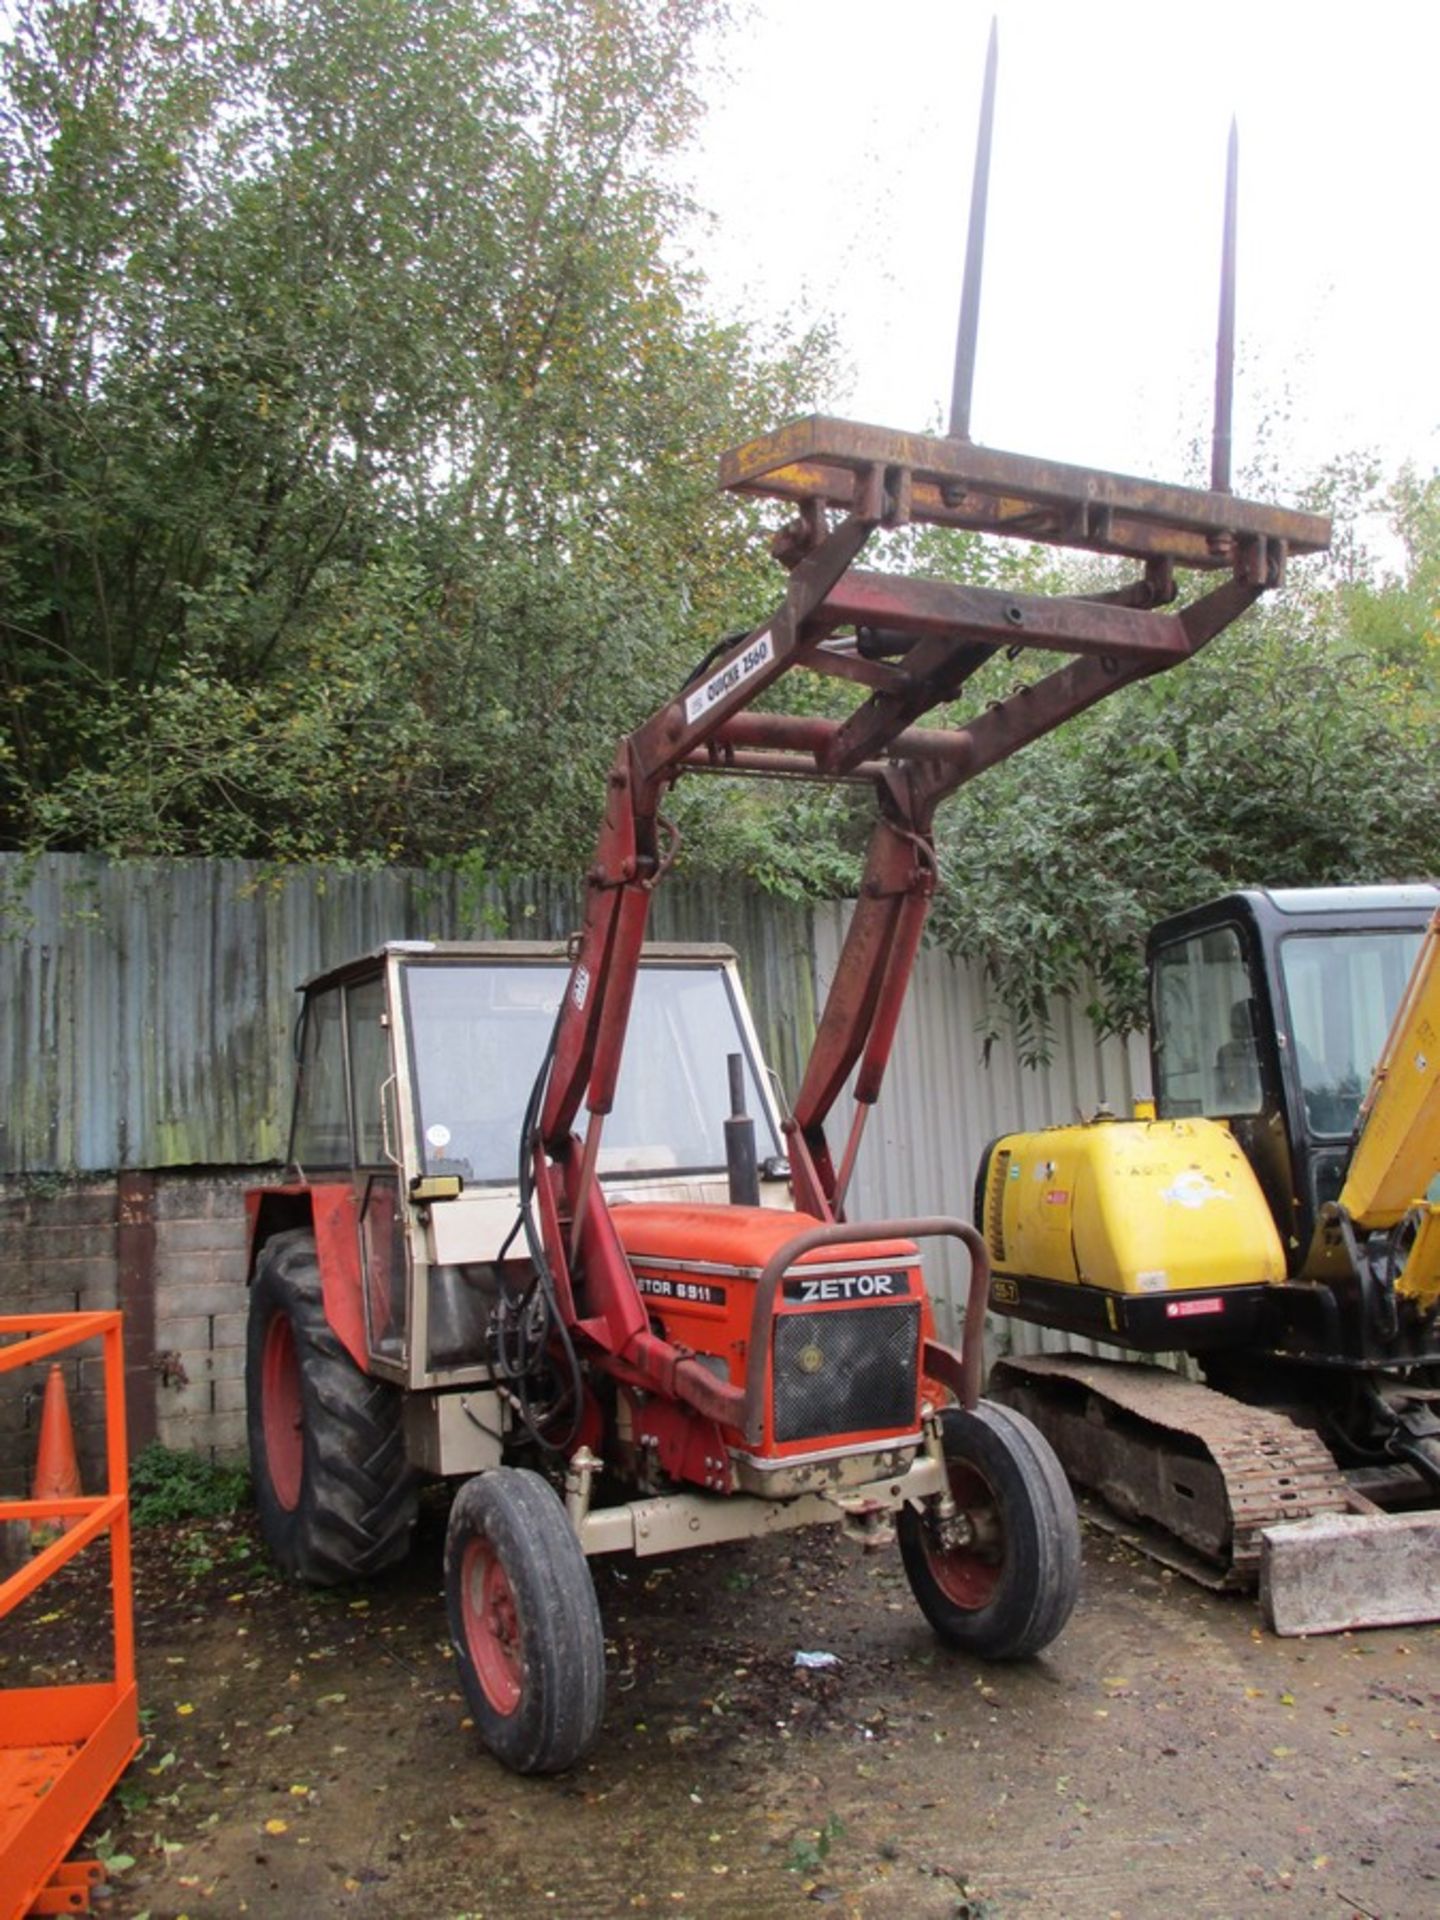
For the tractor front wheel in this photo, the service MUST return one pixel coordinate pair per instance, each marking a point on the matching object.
(524, 1621)
(335, 1493)
(1001, 1579)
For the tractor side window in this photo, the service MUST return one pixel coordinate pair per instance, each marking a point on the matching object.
(369, 1068)
(322, 1130)
(1206, 1038)
(1342, 991)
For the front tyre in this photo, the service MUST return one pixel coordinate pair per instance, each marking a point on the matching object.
(335, 1493)
(524, 1621)
(1004, 1584)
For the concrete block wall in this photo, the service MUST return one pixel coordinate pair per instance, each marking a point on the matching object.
(200, 1312)
(57, 1255)
(169, 1250)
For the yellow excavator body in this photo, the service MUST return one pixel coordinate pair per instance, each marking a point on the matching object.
(1131, 1207)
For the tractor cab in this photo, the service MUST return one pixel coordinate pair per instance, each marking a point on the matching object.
(1269, 1009)
(416, 1063)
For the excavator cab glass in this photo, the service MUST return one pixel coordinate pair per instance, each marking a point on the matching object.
(1207, 1051)
(1341, 992)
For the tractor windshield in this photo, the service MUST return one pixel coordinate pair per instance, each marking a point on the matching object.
(1342, 990)
(478, 1034)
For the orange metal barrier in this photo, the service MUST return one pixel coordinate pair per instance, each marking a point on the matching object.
(63, 1748)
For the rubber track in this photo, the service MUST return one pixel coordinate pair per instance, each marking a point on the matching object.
(1273, 1469)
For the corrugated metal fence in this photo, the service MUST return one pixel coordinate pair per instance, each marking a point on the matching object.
(146, 1008)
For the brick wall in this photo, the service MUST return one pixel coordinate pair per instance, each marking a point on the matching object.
(168, 1248)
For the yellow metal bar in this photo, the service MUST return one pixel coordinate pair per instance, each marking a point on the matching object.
(1419, 1278)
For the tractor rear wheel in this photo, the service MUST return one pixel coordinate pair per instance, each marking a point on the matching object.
(524, 1621)
(335, 1493)
(1006, 1589)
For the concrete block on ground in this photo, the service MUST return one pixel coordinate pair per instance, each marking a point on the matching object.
(1339, 1571)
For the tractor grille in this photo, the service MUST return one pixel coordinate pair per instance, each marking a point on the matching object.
(845, 1371)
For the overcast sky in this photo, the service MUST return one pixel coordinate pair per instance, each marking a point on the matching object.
(836, 158)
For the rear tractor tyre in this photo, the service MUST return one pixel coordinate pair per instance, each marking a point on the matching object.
(1008, 1590)
(335, 1493)
(524, 1621)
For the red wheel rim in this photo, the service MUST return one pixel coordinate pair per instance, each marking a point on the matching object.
(492, 1625)
(969, 1575)
(280, 1412)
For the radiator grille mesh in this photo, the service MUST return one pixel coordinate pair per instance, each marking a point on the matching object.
(845, 1371)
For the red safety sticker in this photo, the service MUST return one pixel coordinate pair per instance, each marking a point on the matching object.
(1182, 1309)
(1057, 1197)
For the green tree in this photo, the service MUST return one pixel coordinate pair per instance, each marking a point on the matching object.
(1296, 749)
(358, 427)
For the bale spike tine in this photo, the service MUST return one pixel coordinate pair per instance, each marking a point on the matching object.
(1225, 334)
(969, 326)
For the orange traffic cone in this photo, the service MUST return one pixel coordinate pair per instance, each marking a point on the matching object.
(57, 1472)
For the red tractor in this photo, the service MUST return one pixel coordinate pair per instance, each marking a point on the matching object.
(464, 1277)
(612, 1286)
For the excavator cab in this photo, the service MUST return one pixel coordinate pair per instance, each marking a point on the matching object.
(1279, 1221)
(1269, 1011)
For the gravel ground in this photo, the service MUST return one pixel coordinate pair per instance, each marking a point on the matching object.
(309, 1754)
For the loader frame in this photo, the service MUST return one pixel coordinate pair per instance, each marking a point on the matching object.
(911, 647)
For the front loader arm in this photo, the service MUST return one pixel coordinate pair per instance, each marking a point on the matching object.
(911, 648)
